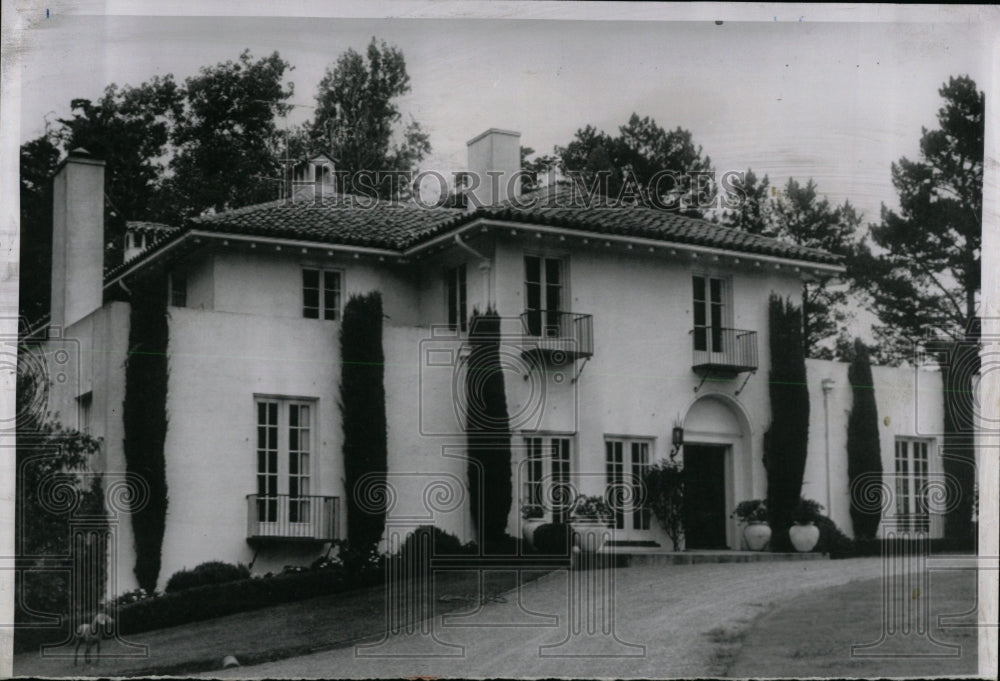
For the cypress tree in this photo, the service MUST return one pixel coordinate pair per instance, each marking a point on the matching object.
(362, 407)
(144, 416)
(864, 457)
(488, 431)
(787, 439)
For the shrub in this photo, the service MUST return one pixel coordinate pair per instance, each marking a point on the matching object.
(212, 572)
(832, 540)
(664, 484)
(806, 511)
(441, 543)
(750, 511)
(215, 600)
(554, 539)
(787, 438)
(864, 457)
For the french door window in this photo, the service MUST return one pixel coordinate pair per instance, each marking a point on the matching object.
(284, 446)
(626, 462)
(709, 312)
(911, 485)
(548, 475)
(543, 294)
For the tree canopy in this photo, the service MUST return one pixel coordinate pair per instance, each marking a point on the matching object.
(920, 267)
(644, 152)
(358, 120)
(227, 140)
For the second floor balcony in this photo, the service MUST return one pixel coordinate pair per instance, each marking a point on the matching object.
(292, 518)
(549, 332)
(723, 351)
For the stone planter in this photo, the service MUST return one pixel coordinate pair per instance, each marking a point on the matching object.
(590, 533)
(757, 535)
(804, 536)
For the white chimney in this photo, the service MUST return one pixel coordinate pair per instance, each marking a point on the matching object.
(77, 238)
(494, 163)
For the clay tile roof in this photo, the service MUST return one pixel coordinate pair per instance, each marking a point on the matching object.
(356, 221)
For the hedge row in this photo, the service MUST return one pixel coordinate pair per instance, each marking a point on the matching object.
(214, 600)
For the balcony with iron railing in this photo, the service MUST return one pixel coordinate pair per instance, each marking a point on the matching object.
(548, 332)
(723, 351)
(287, 518)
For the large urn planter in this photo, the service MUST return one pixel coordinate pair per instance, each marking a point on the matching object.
(757, 535)
(804, 536)
(590, 534)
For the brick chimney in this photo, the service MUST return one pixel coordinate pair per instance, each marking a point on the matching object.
(77, 238)
(494, 161)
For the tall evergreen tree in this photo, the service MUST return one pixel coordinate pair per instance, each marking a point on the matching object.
(787, 438)
(144, 416)
(864, 455)
(39, 158)
(362, 408)
(801, 216)
(488, 430)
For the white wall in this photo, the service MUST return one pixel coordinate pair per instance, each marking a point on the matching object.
(909, 403)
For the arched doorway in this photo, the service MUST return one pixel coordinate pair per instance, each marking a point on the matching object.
(716, 471)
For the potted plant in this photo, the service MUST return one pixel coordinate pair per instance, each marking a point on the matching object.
(804, 534)
(752, 514)
(590, 516)
(532, 517)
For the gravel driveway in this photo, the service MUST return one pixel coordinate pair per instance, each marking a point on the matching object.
(669, 621)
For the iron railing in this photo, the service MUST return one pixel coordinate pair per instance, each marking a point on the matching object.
(552, 331)
(283, 516)
(724, 349)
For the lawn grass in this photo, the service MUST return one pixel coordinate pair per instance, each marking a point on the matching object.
(272, 633)
(813, 635)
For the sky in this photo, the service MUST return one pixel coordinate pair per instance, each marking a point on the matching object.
(835, 101)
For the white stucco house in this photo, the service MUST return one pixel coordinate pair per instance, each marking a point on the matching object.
(624, 324)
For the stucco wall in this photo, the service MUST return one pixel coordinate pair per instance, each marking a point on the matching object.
(909, 403)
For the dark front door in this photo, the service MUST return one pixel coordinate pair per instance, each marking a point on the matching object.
(704, 497)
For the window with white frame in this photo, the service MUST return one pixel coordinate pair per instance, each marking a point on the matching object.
(455, 284)
(709, 310)
(626, 463)
(284, 449)
(911, 462)
(321, 293)
(547, 475)
(544, 295)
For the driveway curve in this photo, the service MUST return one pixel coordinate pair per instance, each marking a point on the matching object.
(668, 621)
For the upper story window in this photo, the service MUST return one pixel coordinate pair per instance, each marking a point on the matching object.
(710, 294)
(544, 281)
(456, 286)
(321, 293)
(178, 289)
